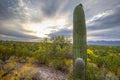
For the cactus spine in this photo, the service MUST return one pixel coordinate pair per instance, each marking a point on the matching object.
(79, 44)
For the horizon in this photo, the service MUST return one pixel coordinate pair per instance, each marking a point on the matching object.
(97, 43)
(33, 21)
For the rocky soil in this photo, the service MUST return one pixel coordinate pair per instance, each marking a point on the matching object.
(48, 73)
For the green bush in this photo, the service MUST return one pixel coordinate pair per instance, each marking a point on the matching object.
(57, 64)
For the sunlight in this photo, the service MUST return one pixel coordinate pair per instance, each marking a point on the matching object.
(47, 26)
(40, 29)
(60, 22)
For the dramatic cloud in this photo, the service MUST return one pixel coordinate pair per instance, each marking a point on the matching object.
(105, 25)
(33, 20)
(63, 32)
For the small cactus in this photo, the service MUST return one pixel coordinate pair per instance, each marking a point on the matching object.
(79, 44)
(79, 69)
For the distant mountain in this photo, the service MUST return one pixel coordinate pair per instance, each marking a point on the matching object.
(107, 43)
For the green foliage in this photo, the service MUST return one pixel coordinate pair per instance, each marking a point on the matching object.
(57, 64)
(19, 49)
(70, 76)
(103, 65)
(103, 62)
(56, 53)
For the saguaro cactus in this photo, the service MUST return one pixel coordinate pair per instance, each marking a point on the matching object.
(79, 43)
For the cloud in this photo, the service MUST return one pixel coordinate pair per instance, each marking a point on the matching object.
(26, 19)
(61, 32)
(13, 38)
(14, 17)
(105, 34)
(93, 8)
(108, 19)
(105, 25)
(5, 9)
(15, 30)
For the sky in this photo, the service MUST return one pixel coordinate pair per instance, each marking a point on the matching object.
(35, 20)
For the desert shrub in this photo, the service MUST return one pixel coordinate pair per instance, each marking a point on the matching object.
(70, 76)
(57, 64)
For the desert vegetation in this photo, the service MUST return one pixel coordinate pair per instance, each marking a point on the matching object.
(18, 60)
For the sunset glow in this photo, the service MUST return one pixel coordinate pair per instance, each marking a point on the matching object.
(28, 20)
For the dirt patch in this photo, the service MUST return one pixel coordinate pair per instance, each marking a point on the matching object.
(49, 73)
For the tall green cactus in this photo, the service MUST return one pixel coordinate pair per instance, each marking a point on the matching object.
(79, 43)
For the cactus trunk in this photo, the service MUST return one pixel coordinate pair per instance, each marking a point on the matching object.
(79, 44)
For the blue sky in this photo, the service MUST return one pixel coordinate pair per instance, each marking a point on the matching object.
(34, 20)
